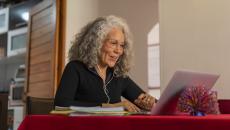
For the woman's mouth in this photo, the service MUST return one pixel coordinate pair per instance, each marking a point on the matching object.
(114, 58)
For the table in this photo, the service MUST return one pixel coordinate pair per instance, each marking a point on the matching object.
(140, 122)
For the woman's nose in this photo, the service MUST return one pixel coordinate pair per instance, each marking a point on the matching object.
(118, 49)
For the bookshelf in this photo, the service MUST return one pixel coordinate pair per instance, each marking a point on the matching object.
(13, 40)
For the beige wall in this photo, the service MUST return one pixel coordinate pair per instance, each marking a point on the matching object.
(194, 34)
(140, 15)
(79, 12)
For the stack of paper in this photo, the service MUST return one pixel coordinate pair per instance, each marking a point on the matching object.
(86, 111)
(101, 111)
(97, 109)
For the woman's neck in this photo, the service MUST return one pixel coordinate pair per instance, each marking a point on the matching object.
(102, 67)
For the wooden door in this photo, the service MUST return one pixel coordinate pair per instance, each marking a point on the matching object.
(45, 50)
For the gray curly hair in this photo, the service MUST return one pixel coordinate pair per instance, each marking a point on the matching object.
(87, 44)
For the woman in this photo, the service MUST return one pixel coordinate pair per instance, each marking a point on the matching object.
(97, 72)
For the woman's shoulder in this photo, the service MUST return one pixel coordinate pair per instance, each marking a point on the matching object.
(75, 64)
(123, 78)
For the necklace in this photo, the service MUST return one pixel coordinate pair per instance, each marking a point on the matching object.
(104, 86)
(100, 71)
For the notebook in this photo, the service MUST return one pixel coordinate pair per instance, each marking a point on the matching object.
(167, 103)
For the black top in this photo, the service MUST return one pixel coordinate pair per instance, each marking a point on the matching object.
(82, 86)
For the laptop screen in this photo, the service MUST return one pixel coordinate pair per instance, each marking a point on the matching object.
(167, 103)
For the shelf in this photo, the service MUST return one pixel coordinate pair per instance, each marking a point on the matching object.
(13, 59)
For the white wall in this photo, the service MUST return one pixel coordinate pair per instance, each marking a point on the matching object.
(78, 14)
(140, 15)
(194, 34)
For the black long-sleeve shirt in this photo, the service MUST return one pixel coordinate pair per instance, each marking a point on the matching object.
(82, 86)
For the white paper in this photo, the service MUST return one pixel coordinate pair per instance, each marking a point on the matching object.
(97, 109)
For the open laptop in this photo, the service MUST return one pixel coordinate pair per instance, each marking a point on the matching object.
(167, 103)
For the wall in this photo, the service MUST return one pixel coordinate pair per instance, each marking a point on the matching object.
(140, 15)
(194, 34)
(2, 77)
(8, 68)
(78, 13)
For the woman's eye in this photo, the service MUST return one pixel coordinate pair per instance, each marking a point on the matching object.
(114, 42)
(123, 46)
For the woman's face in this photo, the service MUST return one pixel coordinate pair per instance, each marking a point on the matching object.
(112, 48)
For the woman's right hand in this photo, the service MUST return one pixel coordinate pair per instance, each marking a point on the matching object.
(130, 107)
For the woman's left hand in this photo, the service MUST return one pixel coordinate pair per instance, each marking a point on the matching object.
(145, 101)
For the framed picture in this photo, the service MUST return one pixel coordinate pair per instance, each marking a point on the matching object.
(17, 41)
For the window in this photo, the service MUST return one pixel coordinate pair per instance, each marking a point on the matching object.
(154, 61)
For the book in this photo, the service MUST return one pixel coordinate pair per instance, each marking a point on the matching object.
(61, 112)
(116, 113)
(60, 108)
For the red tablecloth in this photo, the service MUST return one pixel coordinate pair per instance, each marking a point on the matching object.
(54, 122)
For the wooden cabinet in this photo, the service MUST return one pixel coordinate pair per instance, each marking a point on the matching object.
(44, 56)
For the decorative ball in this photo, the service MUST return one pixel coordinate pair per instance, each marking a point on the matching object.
(198, 101)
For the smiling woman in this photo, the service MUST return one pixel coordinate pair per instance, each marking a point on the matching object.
(97, 74)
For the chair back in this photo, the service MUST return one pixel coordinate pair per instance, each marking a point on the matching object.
(224, 106)
(37, 106)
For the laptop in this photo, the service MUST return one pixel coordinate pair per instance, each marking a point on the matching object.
(167, 103)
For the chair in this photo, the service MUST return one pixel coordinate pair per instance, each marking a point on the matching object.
(38, 106)
(224, 106)
(3, 110)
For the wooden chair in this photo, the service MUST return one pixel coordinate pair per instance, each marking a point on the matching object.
(38, 106)
(3, 110)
